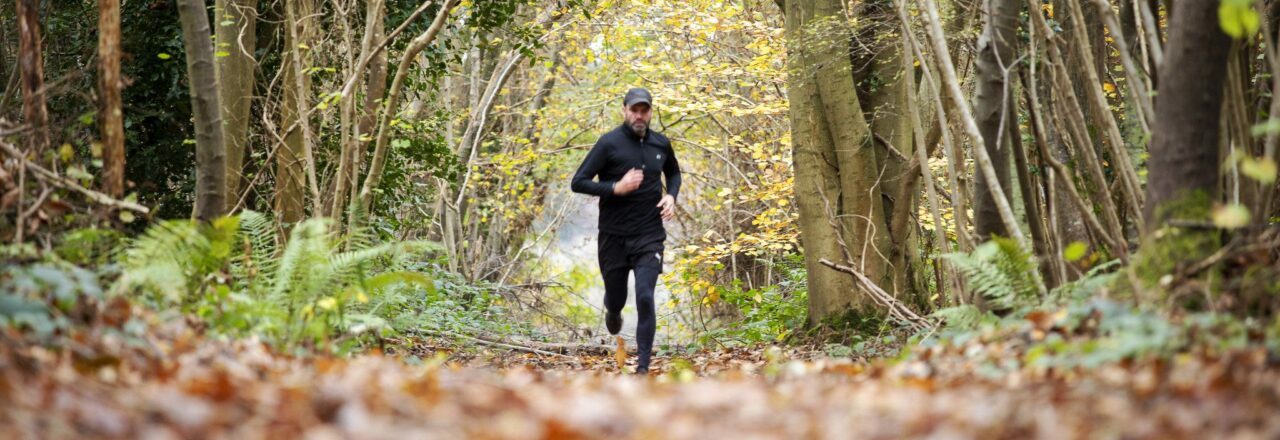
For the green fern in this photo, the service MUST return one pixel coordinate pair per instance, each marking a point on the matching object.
(304, 288)
(257, 235)
(1096, 279)
(176, 257)
(966, 316)
(1001, 272)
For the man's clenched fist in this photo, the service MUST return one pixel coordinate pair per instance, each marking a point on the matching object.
(629, 182)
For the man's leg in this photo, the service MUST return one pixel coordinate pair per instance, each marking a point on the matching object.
(615, 297)
(646, 319)
(612, 253)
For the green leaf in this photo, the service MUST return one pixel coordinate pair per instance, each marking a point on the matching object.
(1231, 216)
(222, 53)
(1271, 126)
(1263, 170)
(1075, 251)
(127, 216)
(1237, 19)
(163, 56)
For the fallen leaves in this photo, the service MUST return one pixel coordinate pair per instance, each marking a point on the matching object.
(171, 382)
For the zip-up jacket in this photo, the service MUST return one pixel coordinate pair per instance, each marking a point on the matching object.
(617, 152)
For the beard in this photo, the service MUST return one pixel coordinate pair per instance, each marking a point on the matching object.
(637, 127)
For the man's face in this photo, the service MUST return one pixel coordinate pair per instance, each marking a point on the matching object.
(637, 117)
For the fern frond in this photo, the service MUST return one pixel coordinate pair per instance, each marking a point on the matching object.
(166, 259)
(962, 317)
(303, 262)
(1001, 272)
(257, 261)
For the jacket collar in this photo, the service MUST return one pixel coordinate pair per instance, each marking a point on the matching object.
(631, 134)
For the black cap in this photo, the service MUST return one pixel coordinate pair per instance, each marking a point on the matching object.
(637, 95)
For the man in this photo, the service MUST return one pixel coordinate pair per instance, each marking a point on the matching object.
(630, 162)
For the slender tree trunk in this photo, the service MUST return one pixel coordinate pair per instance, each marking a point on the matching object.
(211, 160)
(110, 113)
(993, 107)
(299, 15)
(291, 177)
(393, 102)
(31, 64)
(375, 89)
(891, 126)
(236, 39)
(1183, 168)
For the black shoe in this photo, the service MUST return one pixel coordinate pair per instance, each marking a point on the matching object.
(642, 371)
(613, 321)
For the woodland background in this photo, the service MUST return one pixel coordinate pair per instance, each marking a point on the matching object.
(993, 197)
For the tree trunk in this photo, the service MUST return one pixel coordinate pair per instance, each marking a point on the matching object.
(891, 128)
(301, 20)
(110, 112)
(393, 101)
(31, 63)
(816, 175)
(237, 39)
(375, 89)
(291, 174)
(203, 80)
(993, 106)
(1183, 167)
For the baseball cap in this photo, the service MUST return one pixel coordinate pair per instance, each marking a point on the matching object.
(637, 95)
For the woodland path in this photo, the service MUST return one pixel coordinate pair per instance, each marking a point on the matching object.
(169, 382)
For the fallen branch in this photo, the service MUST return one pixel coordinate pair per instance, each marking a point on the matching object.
(896, 308)
(54, 179)
(544, 348)
(442, 333)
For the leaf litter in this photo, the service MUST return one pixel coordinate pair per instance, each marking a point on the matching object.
(167, 380)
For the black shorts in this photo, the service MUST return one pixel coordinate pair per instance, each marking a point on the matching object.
(630, 251)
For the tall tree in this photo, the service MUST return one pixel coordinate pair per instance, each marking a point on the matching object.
(31, 64)
(291, 174)
(236, 41)
(993, 106)
(110, 111)
(416, 46)
(811, 148)
(1183, 167)
(355, 142)
(211, 195)
(842, 216)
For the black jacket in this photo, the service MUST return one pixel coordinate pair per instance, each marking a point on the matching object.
(617, 152)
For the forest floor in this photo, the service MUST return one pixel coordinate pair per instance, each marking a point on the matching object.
(143, 378)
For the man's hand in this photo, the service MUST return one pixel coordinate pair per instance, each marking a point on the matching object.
(668, 205)
(629, 182)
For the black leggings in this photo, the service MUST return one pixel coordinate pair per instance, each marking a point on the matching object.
(621, 255)
(615, 298)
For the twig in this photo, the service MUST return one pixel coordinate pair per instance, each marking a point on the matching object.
(896, 308)
(488, 342)
(64, 183)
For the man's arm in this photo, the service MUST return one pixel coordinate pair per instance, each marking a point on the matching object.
(671, 169)
(584, 179)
